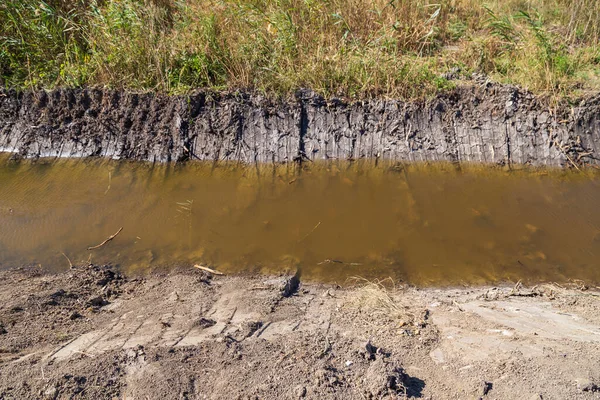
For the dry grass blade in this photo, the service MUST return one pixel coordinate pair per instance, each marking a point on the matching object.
(309, 233)
(379, 297)
(69, 260)
(212, 271)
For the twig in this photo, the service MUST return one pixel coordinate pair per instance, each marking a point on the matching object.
(562, 150)
(106, 241)
(264, 328)
(212, 271)
(70, 263)
(308, 234)
(191, 153)
(328, 261)
(516, 288)
(457, 305)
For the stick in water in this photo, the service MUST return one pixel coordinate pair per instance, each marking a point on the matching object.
(69, 260)
(212, 271)
(106, 241)
(309, 233)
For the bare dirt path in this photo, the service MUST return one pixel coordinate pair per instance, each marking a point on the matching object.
(92, 333)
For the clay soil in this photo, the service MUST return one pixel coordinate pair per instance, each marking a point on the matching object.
(187, 334)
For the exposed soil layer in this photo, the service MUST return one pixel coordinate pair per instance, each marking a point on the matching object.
(92, 333)
(479, 122)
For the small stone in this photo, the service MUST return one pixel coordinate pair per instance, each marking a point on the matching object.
(107, 276)
(263, 387)
(97, 301)
(51, 393)
(384, 379)
(204, 323)
(250, 327)
(348, 363)
(291, 286)
(437, 355)
(75, 315)
(370, 351)
(586, 385)
(58, 293)
(300, 391)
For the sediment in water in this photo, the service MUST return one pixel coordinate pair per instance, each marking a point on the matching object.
(485, 123)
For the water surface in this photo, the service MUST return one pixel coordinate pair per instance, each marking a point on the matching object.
(425, 224)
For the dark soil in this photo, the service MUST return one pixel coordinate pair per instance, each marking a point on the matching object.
(47, 311)
(477, 122)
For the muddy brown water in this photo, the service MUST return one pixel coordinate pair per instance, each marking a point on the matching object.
(424, 224)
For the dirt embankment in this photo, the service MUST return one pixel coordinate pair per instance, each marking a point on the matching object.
(478, 122)
(92, 333)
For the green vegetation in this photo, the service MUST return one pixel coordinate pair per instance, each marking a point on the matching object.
(399, 48)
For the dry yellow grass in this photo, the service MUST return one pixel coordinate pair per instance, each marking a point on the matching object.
(380, 298)
(355, 48)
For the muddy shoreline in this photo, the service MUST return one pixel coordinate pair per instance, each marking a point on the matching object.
(92, 332)
(478, 122)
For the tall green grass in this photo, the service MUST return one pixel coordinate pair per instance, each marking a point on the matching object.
(355, 48)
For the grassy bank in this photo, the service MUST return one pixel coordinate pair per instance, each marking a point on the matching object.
(400, 48)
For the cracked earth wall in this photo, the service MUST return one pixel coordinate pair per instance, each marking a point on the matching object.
(487, 123)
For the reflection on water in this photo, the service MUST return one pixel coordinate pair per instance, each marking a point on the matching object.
(422, 224)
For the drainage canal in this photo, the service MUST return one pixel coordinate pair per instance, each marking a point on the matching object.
(425, 224)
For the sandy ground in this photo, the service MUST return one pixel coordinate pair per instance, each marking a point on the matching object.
(92, 333)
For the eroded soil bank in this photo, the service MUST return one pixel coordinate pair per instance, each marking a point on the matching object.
(480, 122)
(93, 333)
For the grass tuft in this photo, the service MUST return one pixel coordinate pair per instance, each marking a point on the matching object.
(378, 299)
